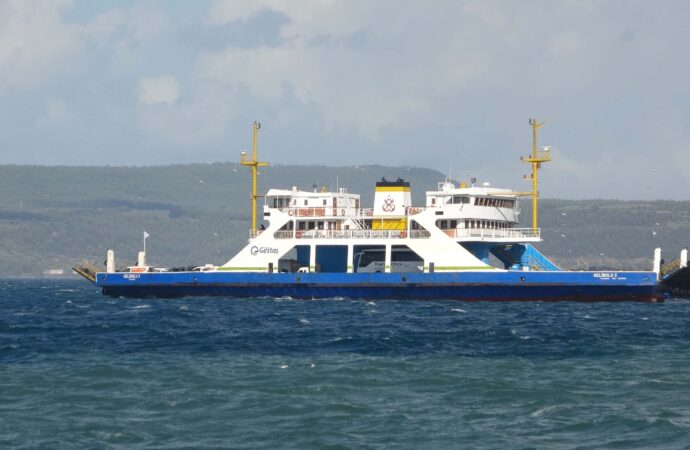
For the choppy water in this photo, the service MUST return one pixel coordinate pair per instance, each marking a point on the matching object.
(78, 370)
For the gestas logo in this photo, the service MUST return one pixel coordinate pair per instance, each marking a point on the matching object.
(263, 250)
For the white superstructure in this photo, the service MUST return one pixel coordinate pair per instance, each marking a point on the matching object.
(456, 230)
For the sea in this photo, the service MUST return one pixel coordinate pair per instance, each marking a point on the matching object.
(80, 370)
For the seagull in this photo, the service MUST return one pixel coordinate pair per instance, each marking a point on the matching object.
(201, 181)
(562, 214)
(234, 170)
(653, 233)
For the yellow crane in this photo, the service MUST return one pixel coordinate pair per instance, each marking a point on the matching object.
(254, 164)
(536, 159)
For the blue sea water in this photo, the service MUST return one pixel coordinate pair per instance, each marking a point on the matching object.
(79, 370)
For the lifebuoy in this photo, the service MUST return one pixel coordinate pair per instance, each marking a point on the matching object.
(291, 212)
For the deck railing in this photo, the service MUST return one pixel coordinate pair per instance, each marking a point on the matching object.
(334, 211)
(351, 234)
(327, 211)
(508, 233)
(511, 233)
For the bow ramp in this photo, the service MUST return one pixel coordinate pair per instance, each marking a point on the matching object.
(675, 276)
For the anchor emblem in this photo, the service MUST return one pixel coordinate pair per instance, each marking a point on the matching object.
(388, 205)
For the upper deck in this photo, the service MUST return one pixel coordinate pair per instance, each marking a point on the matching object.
(464, 214)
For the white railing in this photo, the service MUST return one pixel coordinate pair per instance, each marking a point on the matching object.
(351, 234)
(332, 211)
(505, 233)
(326, 211)
(510, 233)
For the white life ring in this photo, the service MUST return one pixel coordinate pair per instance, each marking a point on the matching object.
(291, 212)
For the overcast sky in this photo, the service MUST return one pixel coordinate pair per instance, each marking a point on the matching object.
(435, 84)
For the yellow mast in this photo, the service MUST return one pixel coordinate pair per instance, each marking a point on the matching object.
(253, 163)
(536, 158)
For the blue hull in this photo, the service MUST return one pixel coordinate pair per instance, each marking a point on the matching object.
(466, 286)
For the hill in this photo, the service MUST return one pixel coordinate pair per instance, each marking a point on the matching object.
(53, 217)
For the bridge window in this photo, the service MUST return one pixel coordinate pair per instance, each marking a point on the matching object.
(495, 202)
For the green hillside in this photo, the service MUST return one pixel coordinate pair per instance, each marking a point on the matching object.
(53, 217)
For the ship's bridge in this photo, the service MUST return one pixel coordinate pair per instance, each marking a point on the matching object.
(471, 211)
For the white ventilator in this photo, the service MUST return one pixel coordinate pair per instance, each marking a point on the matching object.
(657, 262)
(110, 262)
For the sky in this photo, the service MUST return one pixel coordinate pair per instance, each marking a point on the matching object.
(448, 85)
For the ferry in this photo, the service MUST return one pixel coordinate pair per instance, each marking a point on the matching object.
(463, 243)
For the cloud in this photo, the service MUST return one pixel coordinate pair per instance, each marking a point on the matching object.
(57, 114)
(356, 82)
(35, 44)
(163, 89)
(262, 29)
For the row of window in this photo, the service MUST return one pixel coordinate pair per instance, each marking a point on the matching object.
(487, 224)
(280, 202)
(319, 225)
(473, 223)
(479, 201)
(459, 199)
(494, 202)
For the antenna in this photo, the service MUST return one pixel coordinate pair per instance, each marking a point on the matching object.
(535, 159)
(254, 164)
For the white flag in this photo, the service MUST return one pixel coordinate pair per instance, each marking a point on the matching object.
(146, 235)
